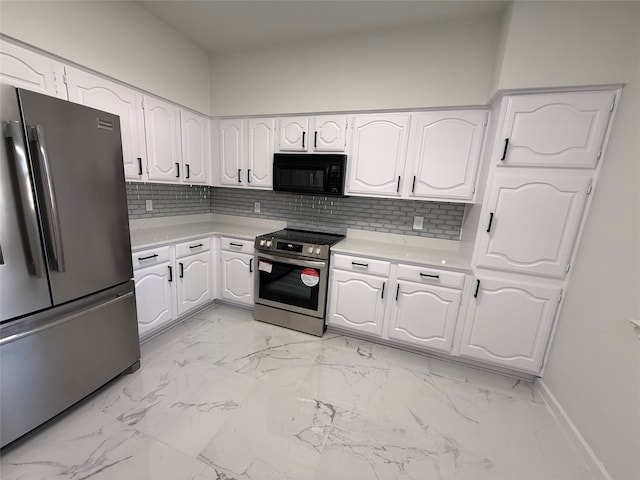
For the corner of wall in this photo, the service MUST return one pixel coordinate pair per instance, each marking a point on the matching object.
(500, 50)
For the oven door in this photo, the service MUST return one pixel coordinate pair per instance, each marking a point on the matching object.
(292, 284)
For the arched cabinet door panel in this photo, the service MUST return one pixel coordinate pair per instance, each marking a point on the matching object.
(237, 277)
(162, 127)
(195, 147)
(154, 297)
(193, 281)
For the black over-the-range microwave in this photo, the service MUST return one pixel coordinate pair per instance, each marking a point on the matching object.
(309, 173)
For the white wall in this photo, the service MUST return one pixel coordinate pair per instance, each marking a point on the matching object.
(449, 64)
(556, 44)
(118, 39)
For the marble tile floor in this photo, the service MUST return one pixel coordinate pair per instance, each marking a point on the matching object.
(224, 397)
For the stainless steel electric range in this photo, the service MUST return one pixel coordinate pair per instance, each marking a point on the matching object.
(292, 278)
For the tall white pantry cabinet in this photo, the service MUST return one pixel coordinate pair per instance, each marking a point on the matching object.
(544, 163)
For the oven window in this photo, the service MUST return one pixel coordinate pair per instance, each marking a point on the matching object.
(284, 284)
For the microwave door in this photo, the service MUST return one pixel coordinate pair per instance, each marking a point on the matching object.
(301, 179)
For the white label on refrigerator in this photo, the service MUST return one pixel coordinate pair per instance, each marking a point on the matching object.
(265, 266)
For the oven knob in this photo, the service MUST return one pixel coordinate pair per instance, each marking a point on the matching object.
(268, 243)
(262, 242)
(317, 250)
(310, 249)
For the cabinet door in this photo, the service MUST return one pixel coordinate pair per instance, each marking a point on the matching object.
(294, 134)
(237, 277)
(29, 70)
(162, 127)
(379, 149)
(531, 221)
(330, 133)
(357, 302)
(231, 151)
(195, 147)
(424, 315)
(260, 152)
(445, 153)
(555, 129)
(154, 297)
(509, 323)
(96, 92)
(194, 281)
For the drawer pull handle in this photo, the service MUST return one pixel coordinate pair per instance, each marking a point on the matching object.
(238, 245)
(357, 264)
(475, 295)
(383, 284)
(504, 153)
(141, 259)
(429, 276)
(170, 274)
(196, 246)
(397, 292)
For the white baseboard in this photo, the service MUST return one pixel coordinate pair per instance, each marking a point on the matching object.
(587, 453)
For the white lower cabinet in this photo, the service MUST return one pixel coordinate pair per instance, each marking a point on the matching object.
(508, 322)
(408, 304)
(357, 301)
(194, 282)
(236, 270)
(424, 315)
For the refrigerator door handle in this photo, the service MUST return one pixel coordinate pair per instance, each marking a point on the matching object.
(52, 223)
(33, 247)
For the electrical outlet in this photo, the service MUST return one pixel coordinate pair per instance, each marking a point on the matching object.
(418, 222)
(149, 205)
(256, 207)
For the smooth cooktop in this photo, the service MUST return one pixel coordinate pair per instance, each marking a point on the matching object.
(305, 236)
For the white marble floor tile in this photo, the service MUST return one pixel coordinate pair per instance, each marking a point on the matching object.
(224, 397)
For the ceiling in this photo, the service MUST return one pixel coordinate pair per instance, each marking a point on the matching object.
(231, 25)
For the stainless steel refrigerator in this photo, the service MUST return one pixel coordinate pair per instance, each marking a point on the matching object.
(67, 304)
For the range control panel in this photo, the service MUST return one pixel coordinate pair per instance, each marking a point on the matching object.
(274, 245)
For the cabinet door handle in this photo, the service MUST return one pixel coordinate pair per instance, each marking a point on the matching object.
(475, 295)
(147, 258)
(239, 171)
(429, 276)
(251, 265)
(303, 135)
(249, 176)
(231, 244)
(315, 139)
(196, 246)
(398, 187)
(504, 153)
(177, 170)
(170, 274)
(383, 284)
(188, 173)
(413, 185)
(397, 292)
(357, 264)
(139, 166)
(181, 270)
(490, 222)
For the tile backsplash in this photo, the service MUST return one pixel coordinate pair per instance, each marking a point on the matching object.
(328, 214)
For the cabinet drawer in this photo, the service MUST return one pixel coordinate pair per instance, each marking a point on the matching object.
(150, 257)
(362, 265)
(198, 245)
(430, 275)
(236, 245)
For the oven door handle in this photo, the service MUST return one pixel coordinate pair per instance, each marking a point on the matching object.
(292, 261)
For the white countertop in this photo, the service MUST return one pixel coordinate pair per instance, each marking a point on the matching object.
(155, 232)
(449, 254)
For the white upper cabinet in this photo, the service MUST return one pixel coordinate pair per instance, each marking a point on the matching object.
(424, 315)
(97, 92)
(29, 70)
(532, 218)
(330, 133)
(444, 154)
(259, 158)
(231, 145)
(162, 127)
(322, 133)
(196, 143)
(555, 129)
(378, 153)
(294, 134)
(508, 323)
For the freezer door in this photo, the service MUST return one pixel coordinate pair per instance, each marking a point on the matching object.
(76, 154)
(23, 276)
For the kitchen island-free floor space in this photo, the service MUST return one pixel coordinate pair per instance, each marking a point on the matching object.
(222, 396)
